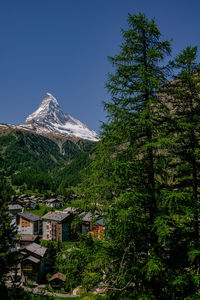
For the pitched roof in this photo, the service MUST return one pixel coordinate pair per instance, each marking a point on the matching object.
(89, 216)
(28, 237)
(33, 259)
(52, 200)
(29, 216)
(37, 249)
(58, 276)
(100, 222)
(72, 210)
(14, 206)
(56, 216)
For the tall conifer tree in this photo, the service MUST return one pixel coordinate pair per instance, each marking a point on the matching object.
(184, 171)
(146, 170)
(128, 165)
(185, 120)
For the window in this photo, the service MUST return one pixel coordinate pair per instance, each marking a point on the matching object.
(27, 266)
(25, 223)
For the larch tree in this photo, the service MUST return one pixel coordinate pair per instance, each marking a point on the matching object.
(129, 168)
(182, 190)
(145, 175)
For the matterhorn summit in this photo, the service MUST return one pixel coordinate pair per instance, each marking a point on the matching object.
(48, 112)
(50, 118)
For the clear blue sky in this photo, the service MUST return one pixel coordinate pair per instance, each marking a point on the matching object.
(61, 47)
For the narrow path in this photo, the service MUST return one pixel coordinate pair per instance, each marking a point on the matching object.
(41, 291)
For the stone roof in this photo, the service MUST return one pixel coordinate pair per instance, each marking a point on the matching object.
(33, 259)
(72, 210)
(58, 216)
(100, 222)
(29, 216)
(28, 237)
(33, 200)
(87, 217)
(37, 249)
(52, 200)
(14, 206)
(58, 276)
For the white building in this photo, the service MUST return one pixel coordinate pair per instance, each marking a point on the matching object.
(28, 223)
(55, 203)
(57, 226)
(14, 209)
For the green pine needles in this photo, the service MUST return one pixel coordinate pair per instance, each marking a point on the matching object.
(145, 175)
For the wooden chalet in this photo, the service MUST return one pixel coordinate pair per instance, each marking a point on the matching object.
(14, 209)
(54, 203)
(57, 281)
(32, 265)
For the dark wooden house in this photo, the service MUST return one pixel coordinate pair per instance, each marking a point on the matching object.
(32, 265)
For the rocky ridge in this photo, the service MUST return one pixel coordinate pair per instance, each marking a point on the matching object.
(50, 119)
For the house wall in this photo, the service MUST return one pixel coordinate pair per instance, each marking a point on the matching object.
(86, 227)
(97, 230)
(30, 271)
(32, 205)
(53, 231)
(57, 284)
(65, 232)
(27, 227)
(101, 232)
(59, 232)
(47, 230)
(53, 204)
(41, 268)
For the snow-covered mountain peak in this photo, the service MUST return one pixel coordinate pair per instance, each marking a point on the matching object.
(50, 118)
(49, 98)
(48, 112)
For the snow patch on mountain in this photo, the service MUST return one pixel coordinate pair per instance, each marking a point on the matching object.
(50, 118)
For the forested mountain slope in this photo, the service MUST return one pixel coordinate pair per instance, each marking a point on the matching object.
(35, 162)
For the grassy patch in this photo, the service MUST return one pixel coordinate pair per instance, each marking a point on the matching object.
(64, 245)
(41, 211)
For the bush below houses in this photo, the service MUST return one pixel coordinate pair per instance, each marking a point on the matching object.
(84, 263)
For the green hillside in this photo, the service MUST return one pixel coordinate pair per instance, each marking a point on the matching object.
(37, 163)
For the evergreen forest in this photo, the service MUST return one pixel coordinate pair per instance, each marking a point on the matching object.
(36, 164)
